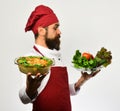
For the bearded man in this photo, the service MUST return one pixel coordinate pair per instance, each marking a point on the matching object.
(52, 91)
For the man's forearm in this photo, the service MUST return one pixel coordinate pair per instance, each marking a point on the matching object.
(31, 94)
(79, 83)
(24, 97)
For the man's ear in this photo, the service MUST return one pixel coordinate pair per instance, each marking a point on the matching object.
(41, 31)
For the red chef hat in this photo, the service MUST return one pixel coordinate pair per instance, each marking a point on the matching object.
(41, 16)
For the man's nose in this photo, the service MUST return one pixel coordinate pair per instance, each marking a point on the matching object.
(58, 31)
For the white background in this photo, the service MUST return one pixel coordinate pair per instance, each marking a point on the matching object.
(86, 25)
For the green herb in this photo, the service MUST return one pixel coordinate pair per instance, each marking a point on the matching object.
(102, 58)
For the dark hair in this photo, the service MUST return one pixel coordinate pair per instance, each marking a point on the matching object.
(36, 35)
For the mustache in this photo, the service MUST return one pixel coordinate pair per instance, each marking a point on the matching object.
(58, 36)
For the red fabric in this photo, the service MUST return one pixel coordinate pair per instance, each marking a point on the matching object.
(41, 16)
(55, 96)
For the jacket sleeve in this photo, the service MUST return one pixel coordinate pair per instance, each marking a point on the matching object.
(24, 97)
(72, 90)
(22, 92)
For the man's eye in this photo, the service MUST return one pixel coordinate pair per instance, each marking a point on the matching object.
(55, 28)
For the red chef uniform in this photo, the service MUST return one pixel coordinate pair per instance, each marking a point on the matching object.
(56, 95)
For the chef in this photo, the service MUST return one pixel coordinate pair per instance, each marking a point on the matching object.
(52, 91)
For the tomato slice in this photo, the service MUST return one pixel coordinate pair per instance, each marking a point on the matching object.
(87, 55)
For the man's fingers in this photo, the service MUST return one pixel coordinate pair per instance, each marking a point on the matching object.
(83, 73)
(38, 75)
(94, 73)
(41, 77)
(29, 75)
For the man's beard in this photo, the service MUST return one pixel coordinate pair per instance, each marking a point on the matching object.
(53, 43)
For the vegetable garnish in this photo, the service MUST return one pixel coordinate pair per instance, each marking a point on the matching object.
(88, 61)
(87, 55)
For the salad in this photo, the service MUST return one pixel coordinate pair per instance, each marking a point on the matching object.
(87, 61)
(34, 64)
(34, 61)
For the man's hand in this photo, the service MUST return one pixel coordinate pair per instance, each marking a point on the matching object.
(85, 76)
(32, 84)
